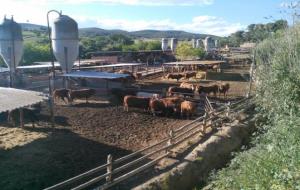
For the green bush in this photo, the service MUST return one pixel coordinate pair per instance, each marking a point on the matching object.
(274, 160)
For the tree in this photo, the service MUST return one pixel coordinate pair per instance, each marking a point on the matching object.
(35, 52)
(185, 51)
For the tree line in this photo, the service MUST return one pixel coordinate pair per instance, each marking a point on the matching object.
(255, 33)
(36, 43)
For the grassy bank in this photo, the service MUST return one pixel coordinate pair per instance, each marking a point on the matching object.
(273, 162)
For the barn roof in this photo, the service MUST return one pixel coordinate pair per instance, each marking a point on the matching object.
(94, 74)
(11, 98)
(204, 62)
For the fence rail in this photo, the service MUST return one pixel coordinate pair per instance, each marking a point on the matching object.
(175, 138)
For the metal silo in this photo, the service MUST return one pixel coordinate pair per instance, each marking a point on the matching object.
(199, 43)
(65, 41)
(216, 43)
(208, 43)
(164, 44)
(194, 43)
(11, 43)
(173, 44)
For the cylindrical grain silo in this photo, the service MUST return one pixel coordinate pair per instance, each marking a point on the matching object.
(208, 43)
(199, 43)
(194, 43)
(216, 43)
(11, 43)
(174, 42)
(164, 44)
(65, 41)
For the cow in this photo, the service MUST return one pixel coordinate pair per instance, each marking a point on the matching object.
(178, 90)
(188, 108)
(216, 68)
(121, 93)
(131, 76)
(189, 75)
(138, 76)
(176, 76)
(29, 115)
(82, 93)
(223, 89)
(202, 75)
(136, 102)
(208, 89)
(187, 85)
(157, 106)
(61, 93)
(172, 104)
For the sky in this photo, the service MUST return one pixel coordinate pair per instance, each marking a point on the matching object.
(216, 17)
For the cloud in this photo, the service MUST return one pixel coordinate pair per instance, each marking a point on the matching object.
(35, 11)
(290, 5)
(201, 24)
(145, 2)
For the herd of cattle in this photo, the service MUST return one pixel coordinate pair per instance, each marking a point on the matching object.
(185, 75)
(165, 106)
(174, 103)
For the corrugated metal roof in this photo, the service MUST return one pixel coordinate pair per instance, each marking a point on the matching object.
(205, 62)
(11, 98)
(94, 74)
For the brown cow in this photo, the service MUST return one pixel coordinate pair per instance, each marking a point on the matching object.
(189, 75)
(136, 102)
(208, 89)
(202, 75)
(121, 93)
(138, 76)
(215, 67)
(178, 90)
(82, 93)
(224, 88)
(188, 108)
(61, 93)
(131, 76)
(172, 104)
(29, 115)
(156, 106)
(176, 76)
(187, 85)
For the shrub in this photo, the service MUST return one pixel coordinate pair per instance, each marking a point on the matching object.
(274, 161)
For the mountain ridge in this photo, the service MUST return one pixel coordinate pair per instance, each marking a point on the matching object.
(148, 33)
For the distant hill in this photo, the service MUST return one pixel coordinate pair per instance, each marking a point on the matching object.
(142, 33)
(29, 27)
(93, 31)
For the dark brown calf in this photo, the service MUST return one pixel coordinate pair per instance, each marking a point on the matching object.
(80, 94)
(136, 102)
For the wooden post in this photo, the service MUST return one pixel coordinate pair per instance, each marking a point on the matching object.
(170, 142)
(51, 98)
(227, 109)
(21, 117)
(204, 122)
(251, 76)
(109, 168)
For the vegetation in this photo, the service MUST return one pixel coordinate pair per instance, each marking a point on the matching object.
(185, 51)
(274, 161)
(255, 33)
(95, 39)
(35, 52)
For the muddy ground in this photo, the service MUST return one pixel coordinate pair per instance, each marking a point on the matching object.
(35, 158)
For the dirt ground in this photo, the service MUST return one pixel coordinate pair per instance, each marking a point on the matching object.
(35, 158)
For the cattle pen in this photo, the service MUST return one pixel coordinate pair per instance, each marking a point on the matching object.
(142, 160)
